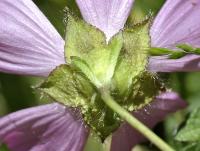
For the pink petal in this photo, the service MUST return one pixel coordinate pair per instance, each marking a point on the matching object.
(126, 137)
(49, 127)
(177, 22)
(107, 15)
(29, 44)
(185, 64)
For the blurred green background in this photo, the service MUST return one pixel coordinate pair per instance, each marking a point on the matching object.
(16, 92)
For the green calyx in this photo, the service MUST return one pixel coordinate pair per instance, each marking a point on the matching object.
(94, 65)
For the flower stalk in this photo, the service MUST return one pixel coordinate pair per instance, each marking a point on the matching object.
(135, 123)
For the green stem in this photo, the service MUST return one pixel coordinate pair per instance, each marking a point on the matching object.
(135, 123)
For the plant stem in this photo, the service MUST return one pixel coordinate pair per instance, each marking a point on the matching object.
(135, 123)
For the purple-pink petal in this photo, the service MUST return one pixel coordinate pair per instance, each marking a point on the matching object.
(178, 22)
(186, 63)
(126, 137)
(48, 127)
(29, 44)
(107, 15)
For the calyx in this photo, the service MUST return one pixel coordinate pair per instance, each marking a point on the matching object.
(93, 64)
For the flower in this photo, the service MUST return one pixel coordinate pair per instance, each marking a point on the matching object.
(108, 16)
(48, 127)
(30, 45)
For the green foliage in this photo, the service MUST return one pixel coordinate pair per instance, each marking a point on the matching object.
(16, 98)
(190, 147)
(3, 147)
(184, 49)
(155, 51)
(191, 131)
(53, 9)
(94, 143)
(142, 8)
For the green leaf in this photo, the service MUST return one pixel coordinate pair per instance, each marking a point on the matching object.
(155, 51)
(94, 143)
(191, 147)
(191, 131)
(186, 47)
(172, 54)
(177, 54)
(3, 147)
(197, 50)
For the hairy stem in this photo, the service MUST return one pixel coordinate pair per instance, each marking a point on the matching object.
(135, 123)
